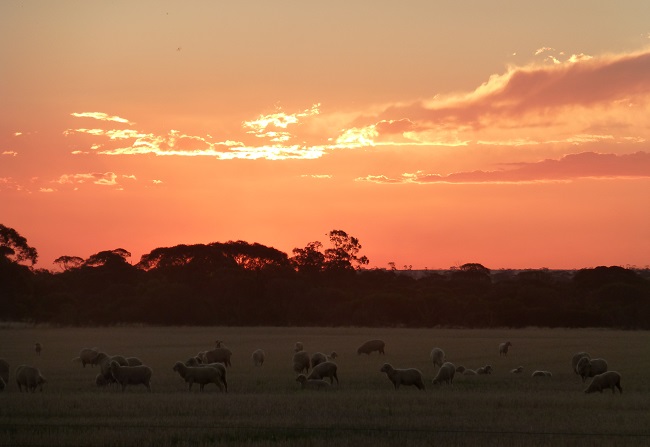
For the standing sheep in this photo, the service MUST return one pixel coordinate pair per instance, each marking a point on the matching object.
(503, 348)
(410, 376)
(311, 384)
(576, 358)
(301, 362)
(4, 370)
(87, 356)
(30, 378)
(219, 355)
(437, 357)
(371, 346)
(258, 357)
(591, 367)
(325, 369)
(445, 374)
(608, 379)
(131, 375)
(539, 373)
(202, 375)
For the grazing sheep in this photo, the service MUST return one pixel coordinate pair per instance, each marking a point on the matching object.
(87, 356)
(133, 361)
(437, 357)
(325, 369)
(202, 375)
(460, 369)
(319, 357)
(104, 362)
(258, 357)
(608, 379)
(38, 348)
(539, 373)
(4, 370)
(218, 355)
(131, 375)
(591, 367)
(301, 362)
(487, 369)
(410, 376)
(371, 346)
(576, 358)
(30, 378)
(311, 384)
(102, 381)
(469, 372)
(298, 347)
(517, 370)
(503, 348)
(445, 374)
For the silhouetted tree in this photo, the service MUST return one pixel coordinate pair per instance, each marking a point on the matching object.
(309, 259)
(14, 247)
(343, 254)
(69, 262)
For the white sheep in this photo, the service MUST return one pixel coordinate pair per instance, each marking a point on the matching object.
(576, 358)
(487, 369)
(445, 374)
(437, 357)
(87, 356)
(591, 367)
(371, 346)
(30, 378)
(4, 370)
(311, 384)
(258, 357)
(539, 373)
(104, 361)
(608, 379)
(409, 376)
(202, 375)
(322, 370)
(298, 347)
(503, 348)
(218, 355)
(301, 362)
(517, 370)
(131, 375)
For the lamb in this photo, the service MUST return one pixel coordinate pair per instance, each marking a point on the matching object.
(540, 373)
(410, 376)
(30, 378)
(4, 370)
(608, 379)
(576, 358)
(503, 348)
(487, 369)
(591, 367)
(319, 357)
(202, 375)
(371, 346)
(218, 355)
(517, 370)
(133, 361)
(322, 370)
(38, 348)
(298, 347)
(301, 362)
(131, 375)
(311, 384)
(437, 357)
(87, 356)
(445, 374)
(258, 357)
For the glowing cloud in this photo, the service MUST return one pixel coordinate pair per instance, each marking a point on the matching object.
(10, 153)
(101, 116)
(104, 179)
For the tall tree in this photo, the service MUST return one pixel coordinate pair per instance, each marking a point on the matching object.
(14, 247)
(344, 251)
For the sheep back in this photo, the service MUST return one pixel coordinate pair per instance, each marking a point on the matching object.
(325, 369)
(318, 357)
(445, 374)
(30, 378)
(311, 384)
(576, 358)
(131, 375)
(371, 346)
(591, 367)
(219, 355)
(539, 373)
(408, 376)
(608, 379)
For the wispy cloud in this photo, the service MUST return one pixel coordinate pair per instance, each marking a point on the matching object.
(101, 116)
(97, 178)
(568, 168)
(10, 153)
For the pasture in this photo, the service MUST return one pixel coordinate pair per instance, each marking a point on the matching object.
(265, 405)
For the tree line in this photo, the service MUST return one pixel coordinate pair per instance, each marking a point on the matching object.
(237, 283)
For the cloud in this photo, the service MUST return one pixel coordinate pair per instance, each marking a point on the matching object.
(568, 168)
(10, 153)
(317, 176)
(97, 178)
(101, 116)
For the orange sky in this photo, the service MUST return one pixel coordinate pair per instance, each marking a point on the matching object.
(513, 134)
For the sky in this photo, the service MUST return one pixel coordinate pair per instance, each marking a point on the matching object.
(507, 133)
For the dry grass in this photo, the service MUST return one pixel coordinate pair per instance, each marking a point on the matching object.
(264, 405)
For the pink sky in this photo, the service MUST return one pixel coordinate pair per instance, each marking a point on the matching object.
(437, 134)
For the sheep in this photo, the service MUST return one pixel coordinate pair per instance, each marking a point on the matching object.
(30, 378)
(87, 356)
(201, 356)
(608, 379)
(445, 374)
(487, 369)
(219, 344)
(410, 376)
(576, 358)
(539, 373)
(301, 362)
(460, 369)
(102, 381)
(311, 384)
(517, 370)
(371, 346)
(38, 348)
(469, 372)
(193, 361)
(503, 348)
(258, 357)
(2, 384)
(218, 355)
(4, 370)
(319, 357)
(298, 347)
(104, 361)
(437, 357)
(202, 375)
(131, 375)
(591, 367)
(322, 370)
(133, 361)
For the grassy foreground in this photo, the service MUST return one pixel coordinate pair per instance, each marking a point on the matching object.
(264, 405)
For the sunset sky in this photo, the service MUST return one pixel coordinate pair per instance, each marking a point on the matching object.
(515, 134)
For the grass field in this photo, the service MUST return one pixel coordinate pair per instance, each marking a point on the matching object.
(264, 405)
